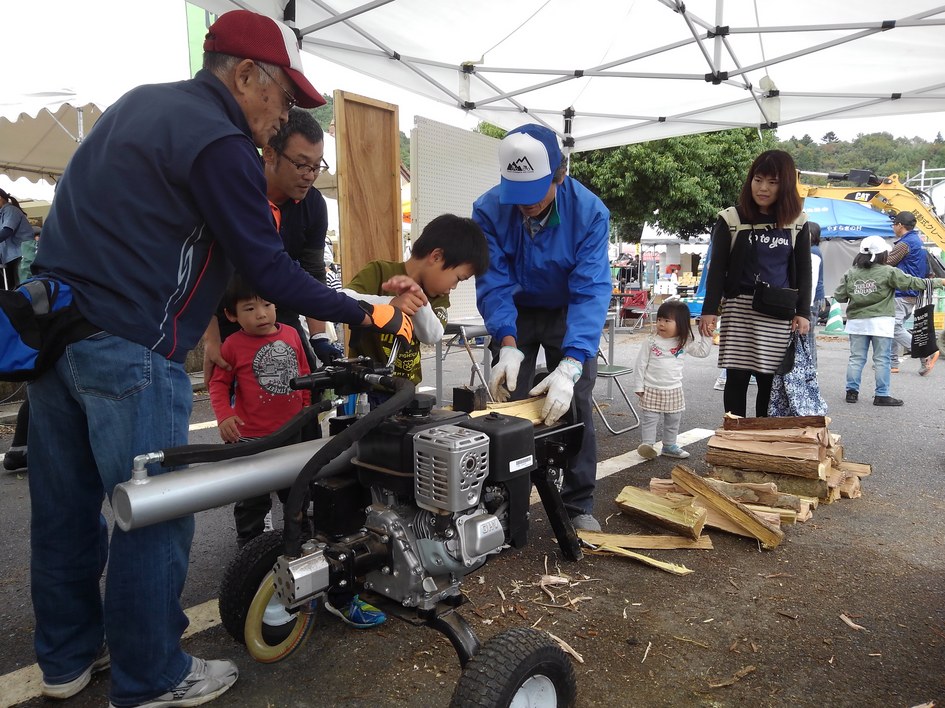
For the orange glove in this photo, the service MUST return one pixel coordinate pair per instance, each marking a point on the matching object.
(389, 319)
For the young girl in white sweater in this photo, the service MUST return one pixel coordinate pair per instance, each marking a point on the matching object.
(657, 377)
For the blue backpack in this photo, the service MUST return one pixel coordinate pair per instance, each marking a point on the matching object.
(37, 321)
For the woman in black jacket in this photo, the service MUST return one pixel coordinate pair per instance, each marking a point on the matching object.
(765, 239)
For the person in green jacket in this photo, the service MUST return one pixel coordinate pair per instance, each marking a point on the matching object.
(450, 249)
(870, 289)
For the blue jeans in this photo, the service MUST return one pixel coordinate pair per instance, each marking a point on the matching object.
(902, 337)
(105, 401)
(859, 347)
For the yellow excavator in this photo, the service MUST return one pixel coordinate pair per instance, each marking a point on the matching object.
(885, 194)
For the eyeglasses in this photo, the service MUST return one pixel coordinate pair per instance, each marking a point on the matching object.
(303, 167)
(290, 99)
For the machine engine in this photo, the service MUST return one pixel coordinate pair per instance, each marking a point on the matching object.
(447, 490)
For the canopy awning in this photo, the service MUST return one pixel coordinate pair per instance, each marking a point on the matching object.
(39, 132)
(613, 73)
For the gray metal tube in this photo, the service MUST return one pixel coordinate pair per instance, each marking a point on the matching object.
(162, 497)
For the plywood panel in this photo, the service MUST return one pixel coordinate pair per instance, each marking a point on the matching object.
(367, 141)
(449, 168)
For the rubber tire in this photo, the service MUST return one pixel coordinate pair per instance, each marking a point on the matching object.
(241, 583)
(493, 677)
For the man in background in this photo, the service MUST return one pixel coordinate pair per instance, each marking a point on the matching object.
(909, 256)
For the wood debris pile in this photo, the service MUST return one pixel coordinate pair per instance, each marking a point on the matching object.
(764, 473)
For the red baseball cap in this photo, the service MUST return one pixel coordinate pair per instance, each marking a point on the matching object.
(248, 35)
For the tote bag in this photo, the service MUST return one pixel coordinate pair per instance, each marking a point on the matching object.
(923, 328)
(797, 391)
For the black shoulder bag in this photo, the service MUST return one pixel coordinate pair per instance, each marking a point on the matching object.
(779, 303)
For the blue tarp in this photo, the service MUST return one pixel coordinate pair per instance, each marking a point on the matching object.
(840, 219)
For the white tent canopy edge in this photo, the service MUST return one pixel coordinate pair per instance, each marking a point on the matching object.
(621, 73)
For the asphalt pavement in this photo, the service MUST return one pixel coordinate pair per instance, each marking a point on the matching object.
(768, 622)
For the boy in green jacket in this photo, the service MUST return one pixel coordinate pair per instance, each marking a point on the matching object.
(870, 289)
(450, 249)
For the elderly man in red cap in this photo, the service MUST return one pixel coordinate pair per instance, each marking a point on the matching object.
(159, 204)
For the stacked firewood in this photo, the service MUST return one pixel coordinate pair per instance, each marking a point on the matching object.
(764, 473)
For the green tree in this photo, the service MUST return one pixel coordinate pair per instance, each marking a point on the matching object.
(493, 131)
(676, 184)
(324, 114)
(830, 137)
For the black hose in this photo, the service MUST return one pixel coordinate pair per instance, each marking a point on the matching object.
(193, 454)
(294, 513)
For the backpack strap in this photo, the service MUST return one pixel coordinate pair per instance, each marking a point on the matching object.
(735, 225)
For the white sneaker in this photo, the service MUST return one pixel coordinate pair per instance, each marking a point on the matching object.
(68, 689)
(207, 680)
(647, 452)
(674, 451)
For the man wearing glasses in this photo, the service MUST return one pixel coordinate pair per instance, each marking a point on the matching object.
(161, 201)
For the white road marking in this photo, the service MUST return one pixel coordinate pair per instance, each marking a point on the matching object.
(24, 684)
(629, 459)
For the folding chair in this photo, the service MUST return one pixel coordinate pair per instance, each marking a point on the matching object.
(607, 370)
(635, 305)
(460, 333)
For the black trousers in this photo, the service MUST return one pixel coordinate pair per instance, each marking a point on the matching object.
(546, 328)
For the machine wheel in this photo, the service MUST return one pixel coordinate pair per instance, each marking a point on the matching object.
(248, 611)
(519, 668)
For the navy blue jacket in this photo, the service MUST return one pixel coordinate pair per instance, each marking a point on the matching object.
(159, 203)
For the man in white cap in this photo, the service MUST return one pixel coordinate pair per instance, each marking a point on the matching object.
(160, 202)
(909, 256)
(548, 285)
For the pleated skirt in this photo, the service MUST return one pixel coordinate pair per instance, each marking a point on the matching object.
(750, 340)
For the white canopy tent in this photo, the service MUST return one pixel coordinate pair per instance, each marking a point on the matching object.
(39, 132)
(613, 72)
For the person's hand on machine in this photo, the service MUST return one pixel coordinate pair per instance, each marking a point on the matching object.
(559, 385)
(389, 320)
(326, 350)
(504, 374)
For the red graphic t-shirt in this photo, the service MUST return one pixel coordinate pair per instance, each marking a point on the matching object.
(262, 369)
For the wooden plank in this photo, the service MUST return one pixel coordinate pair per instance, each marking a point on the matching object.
(734, 422)
(746, 492)
(367, 143)
(673, 568)
(850, 487)
(799, 450)
(787, 483)
(812, 436)
(753, 457)
(769, 535)
(529, 408)
(860, 469)
(716, 520)
(787, 516)
(645, 542)
(685, 519)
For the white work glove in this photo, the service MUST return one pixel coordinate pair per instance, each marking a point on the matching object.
(560, 387)
(504, 374)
